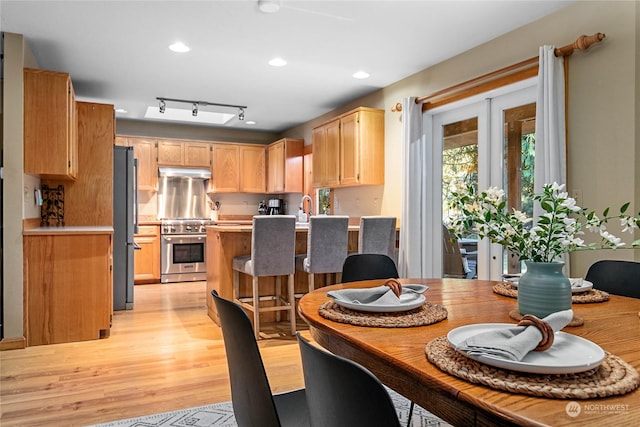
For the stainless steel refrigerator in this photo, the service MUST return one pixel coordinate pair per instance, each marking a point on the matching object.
(125, 224)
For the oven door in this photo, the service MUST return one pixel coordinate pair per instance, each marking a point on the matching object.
(182, 257)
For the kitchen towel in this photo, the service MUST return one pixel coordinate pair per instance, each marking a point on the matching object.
(513, 343)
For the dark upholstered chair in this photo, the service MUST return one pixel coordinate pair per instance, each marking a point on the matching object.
(616, 277)
(273, 248)
(253, 403)
(327, 244)
(342, 393)
(377, 235)
(368, 267)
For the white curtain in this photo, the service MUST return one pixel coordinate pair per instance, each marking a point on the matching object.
(550, 152)
(412, 256)
(551, 145)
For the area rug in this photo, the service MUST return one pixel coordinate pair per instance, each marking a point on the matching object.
(221, 415)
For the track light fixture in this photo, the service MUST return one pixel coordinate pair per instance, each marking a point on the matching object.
(196, 104)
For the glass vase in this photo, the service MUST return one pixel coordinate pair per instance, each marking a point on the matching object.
(543, 289)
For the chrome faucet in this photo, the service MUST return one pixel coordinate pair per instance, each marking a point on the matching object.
(307, 197)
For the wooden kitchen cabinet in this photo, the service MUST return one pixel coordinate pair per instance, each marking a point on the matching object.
(238, 168)
(349, 150)
(184, 153)
(284, 166)
(50, 125)
(68, 284)
(252, 168)
(146, 260)
(88, 201)
(145, 150)
(326, 154)
(226, 168)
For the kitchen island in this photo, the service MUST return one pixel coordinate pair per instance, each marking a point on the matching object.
(228, 240)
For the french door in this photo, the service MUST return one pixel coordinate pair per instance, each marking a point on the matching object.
(482, 141)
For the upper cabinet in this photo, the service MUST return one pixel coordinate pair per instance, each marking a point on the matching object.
(145, 150)
(226, 168)
(284, 166)
(252, 167)
(349, 149)
(238, 168)
(50, 125)
(184, 153)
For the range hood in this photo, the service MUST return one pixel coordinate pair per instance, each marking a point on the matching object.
(182, 193)
(185, 173)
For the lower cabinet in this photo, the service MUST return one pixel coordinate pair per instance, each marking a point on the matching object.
(69, 289)
(146, 260)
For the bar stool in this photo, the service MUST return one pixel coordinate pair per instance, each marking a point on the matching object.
(378, 236)
(327, 243)
(273, 242)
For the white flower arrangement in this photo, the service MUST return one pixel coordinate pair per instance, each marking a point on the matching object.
(556, 232)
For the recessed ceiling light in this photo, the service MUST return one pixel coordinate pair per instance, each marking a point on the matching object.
(179, 47)
(361, 75)
(277, 62)
(121, 110)
(250, 122)
(269, 6)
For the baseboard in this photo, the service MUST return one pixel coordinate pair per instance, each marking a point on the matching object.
(13, 343)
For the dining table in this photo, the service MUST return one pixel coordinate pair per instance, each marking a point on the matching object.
(408, 358)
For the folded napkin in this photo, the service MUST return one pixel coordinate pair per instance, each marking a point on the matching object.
(513, 343)
(380, 295)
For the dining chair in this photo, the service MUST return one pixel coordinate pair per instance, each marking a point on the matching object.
(377, 235)
(273, 241)
(327, 243)
(616, 277)
(342, 393)
(455, 261)
(368, 267)
(253, 403)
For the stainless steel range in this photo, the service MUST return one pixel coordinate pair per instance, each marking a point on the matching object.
(183, 250)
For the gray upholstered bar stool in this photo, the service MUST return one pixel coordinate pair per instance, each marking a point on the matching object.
(273, 244)
(377, 236)
(327, 243)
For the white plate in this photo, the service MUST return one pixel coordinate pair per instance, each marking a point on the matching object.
(584, 287)
(568, 354)
(408, 301)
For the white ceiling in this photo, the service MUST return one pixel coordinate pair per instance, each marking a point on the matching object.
(117, 51)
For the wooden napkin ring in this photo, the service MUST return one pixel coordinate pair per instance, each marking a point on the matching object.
(395, 286)
(545, 329)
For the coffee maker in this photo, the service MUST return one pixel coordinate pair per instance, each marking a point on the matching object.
(275, 207)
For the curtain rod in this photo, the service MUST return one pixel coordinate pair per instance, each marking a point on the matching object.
(522, 69)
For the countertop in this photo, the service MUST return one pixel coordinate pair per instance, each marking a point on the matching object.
(42, 231)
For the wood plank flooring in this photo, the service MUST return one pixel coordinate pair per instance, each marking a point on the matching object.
(164, 355)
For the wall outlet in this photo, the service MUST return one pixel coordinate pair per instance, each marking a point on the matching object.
(577, 196)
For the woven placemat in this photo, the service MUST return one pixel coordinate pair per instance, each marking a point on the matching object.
(426, 314)
(613, 377)
(592, 295)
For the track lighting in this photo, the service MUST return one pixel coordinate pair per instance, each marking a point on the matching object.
(196, 104)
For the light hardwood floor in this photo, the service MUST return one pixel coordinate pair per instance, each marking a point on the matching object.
(166, 354)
